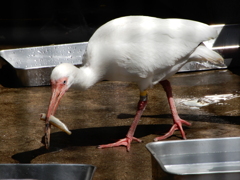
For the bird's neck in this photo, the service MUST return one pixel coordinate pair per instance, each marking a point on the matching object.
(86, 77)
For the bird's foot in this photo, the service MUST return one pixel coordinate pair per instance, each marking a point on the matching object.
(176, 126)
(122, 142)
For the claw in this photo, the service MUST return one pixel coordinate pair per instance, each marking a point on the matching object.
(176, 126)
(122, 142)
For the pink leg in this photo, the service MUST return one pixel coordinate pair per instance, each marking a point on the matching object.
(177, 121)
(129, 137)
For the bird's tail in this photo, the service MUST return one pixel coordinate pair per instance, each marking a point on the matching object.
(202, 53)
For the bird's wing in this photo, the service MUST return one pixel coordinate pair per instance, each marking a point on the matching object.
(160, 44)
(143, 45)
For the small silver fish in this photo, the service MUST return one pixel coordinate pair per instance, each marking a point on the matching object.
(56, 122)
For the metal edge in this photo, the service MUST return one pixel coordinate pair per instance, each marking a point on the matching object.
(148, 146)
(93, 168)
(35, 47)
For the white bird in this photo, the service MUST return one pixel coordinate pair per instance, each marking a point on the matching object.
(140, 49)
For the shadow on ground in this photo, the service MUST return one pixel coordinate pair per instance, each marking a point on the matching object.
(97, 136)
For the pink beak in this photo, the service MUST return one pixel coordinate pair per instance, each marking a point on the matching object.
(58, 90)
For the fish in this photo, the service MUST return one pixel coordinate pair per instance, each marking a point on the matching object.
(56, 122)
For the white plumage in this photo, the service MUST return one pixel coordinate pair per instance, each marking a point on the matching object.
(143, 49)
(140, 49)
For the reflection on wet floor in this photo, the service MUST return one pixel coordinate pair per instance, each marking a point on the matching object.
(104, 113)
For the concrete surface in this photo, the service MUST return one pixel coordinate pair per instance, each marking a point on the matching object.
(104, 113)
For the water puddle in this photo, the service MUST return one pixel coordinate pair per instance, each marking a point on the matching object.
(207, 100)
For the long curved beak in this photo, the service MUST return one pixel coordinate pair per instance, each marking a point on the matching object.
(58, 90)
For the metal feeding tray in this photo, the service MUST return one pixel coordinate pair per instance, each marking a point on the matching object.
(197, 159)
(47, 171)
(32, 66)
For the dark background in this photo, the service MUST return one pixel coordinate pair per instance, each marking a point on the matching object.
(53, 22)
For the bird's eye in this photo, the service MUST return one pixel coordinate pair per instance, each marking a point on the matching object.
(64, 82)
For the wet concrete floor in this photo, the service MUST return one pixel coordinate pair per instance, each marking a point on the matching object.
(104, 113)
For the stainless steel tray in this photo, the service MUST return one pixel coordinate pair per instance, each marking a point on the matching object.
(47, 171)
(32, 66)
(201, 159)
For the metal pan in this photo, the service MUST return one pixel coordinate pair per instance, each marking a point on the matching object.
(32, 66)
(47, 171)
(196, 159)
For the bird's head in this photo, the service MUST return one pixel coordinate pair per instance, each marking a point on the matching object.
(62, 78)
(63, 74)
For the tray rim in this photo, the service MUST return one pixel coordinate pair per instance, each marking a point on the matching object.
(148, 146)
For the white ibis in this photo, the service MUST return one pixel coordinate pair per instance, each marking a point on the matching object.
(140, 49)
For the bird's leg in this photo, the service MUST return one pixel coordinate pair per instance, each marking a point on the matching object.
(129, 137)
(177, 121)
